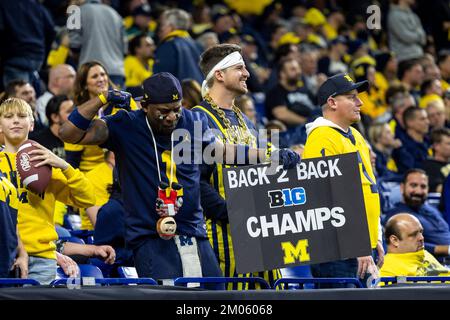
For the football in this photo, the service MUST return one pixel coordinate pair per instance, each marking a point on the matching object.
(34, 179)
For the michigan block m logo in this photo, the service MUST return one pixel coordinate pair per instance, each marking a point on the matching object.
(298, 252)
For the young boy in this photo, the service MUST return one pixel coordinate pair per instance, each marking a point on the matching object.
(35, 211)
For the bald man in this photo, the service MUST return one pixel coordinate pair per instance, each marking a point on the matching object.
(406, 254)
(61, 80)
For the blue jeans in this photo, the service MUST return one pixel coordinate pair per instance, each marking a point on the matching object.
(42, 269)
(339, 269)
(159, 259)
(62, 232)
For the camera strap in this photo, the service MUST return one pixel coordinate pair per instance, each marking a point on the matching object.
(156, 154)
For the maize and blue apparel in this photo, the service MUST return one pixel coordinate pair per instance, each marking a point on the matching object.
(178, 54)
(414, 152)
(325, 138)
(131, 141)
(8, 225)
(213, 194)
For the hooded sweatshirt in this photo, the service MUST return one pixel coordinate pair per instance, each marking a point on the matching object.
(325, 138)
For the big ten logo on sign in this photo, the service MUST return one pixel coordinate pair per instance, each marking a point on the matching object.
(287, 197)
(299, 252)
(74, 17)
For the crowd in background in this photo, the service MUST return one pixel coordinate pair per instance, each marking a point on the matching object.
(55, 63)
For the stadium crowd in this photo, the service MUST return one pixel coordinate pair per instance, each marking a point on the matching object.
(59, 69)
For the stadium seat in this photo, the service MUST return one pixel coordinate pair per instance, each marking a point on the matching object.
(127, 272)
(296, 272)
(186, 281)
(90, 240)
(72, 239)
(72, 221)
(413, 280)
(85, 270)
(390, 191)
(302, 281)
(106, 269)
(11, 282)
(127, 281)
(67, 223)
(103, 281)
(83, 234)
(434, 198)
(95, 277)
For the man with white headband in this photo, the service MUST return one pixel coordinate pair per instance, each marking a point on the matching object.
(225, 79)
(167, 236)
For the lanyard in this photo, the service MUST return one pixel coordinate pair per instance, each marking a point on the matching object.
(156, 153)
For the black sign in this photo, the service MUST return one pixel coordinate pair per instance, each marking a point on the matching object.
(310, 214)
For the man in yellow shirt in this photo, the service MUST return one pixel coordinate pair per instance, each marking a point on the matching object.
(35, 211)
(139, 63)
(406, 254)
(332, 134)
(101, 178)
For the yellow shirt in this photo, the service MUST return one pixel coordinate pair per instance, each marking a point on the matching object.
(35, 214)
(373, 101)
(324, 140)
(101, 177)
(329, 31)
(412, 264)
(91, 156)
(381, 82)
(58, 56)
(445, 85)
(136, 72)
(60, 211)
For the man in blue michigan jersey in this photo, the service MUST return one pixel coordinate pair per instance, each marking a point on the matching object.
(143, 141)
(226, 76)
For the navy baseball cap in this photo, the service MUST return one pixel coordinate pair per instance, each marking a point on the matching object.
(161, 87)
(339, 84)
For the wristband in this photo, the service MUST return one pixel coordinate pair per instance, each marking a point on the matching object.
(78, 120)
(102, 98)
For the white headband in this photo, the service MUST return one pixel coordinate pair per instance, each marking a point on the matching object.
(230, 60)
